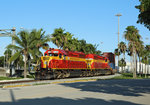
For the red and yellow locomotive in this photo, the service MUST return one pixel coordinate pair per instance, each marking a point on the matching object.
(58, 63)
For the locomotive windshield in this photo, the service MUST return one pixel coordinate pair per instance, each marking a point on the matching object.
(51, 54)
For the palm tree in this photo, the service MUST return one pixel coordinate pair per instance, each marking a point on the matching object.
(117, 52)
(82, 46)
(140, 49)
(122, 63)
(8, 54)
(57, 37)
(130, 53)
(145, 58)
(60, 39)
(122, 46)
(67, 43)
(2, 59)
(73, 44)
(148, 56)
(23, 45)
(133, 36)
(27, 44)
(40, 41)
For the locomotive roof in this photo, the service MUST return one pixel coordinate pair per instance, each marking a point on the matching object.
(95, 56)
(68, 53)
(77, 54)
(54, 51)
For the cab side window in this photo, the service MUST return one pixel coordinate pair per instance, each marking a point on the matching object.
(50, 54)
(55, 55)
(60, 55)
(64, 57)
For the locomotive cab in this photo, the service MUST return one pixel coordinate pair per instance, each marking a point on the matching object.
(52, 54)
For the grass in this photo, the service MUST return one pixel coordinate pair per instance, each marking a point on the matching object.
(29, 76)
(9, 78)
(129, 76)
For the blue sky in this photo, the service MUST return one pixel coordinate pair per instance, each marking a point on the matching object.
(92, 20)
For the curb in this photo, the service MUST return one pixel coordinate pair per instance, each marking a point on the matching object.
(73, 81)
(57, 82)
(11, 86)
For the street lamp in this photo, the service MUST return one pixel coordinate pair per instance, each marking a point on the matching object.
(118, 15)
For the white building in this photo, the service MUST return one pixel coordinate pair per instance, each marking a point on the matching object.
(140, 68)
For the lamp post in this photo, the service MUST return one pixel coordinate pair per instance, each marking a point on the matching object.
(118, 15)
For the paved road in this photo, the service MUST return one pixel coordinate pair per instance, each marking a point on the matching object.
(102, 92)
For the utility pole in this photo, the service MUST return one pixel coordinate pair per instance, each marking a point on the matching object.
(13, 41)
(9, 33)
(118, 15)
(12, 69)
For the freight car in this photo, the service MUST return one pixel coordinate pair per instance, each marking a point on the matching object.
(58, 63)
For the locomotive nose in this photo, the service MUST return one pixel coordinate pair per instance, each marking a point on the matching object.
(45, 60)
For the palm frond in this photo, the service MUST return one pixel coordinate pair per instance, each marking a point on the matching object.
(15, 56)
(24, 36)
(17, 40)
(14, 47)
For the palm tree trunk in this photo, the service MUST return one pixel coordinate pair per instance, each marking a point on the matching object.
(142, 68)
(136, 64)
(124, 60)
(118, 64)
(134, 72)
(133, 65)
(148, 70)
(139, 67)
(130, 63)
(145, 71)
(25, 70)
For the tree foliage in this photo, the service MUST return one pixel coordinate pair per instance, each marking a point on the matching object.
(134, 44)
(144, 16)
(117, 52)
(28, 44)
(122, 63)
(122, 47)
(66, 41)
(1, 61)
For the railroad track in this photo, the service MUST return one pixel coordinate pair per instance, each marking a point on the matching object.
(14, 82)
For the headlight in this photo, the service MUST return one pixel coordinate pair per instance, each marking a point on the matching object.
(45, 62)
